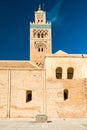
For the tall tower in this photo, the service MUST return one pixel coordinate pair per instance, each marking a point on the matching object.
(40, 38)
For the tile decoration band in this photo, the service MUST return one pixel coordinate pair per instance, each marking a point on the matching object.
(40, 26)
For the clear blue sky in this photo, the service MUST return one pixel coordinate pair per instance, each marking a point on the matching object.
(69, 24)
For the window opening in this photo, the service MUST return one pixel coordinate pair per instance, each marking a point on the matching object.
(28, 96)
(42, 49)
(38, 35)
(70, 72)
(65, 94)
(46, 34)
(41, 20)
(42, 35)
(39, 49)
(38, 21)
(59, 73)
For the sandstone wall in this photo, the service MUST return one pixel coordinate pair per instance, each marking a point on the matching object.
(74, 106)
(79, 65)
(47, 91)
(21, 81)
(14, 83)
(4, 88)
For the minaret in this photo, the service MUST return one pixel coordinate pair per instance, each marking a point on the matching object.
(40, 38)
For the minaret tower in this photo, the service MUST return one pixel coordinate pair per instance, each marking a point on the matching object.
(40, 38)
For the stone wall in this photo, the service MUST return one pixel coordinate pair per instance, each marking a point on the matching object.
(74, 106)
(14, 83)
(22, 81)
(4, 88)
(79, 65)
(47, 91)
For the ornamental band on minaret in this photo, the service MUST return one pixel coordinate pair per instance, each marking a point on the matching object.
(40, 38)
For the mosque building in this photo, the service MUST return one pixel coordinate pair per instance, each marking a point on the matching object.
(51, 84)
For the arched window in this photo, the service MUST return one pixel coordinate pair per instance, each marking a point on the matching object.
(41, 20)
(70, 73)
(42, 49)
(59, 73)
(46, 34)
(66, 93)
(42, 35)
(38, 35)
(38, 20)
(34, 34)
(39, 49)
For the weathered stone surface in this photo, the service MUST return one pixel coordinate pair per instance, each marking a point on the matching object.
(74, 106)
(41, 118)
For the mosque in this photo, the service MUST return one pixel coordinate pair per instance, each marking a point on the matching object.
(51, 84)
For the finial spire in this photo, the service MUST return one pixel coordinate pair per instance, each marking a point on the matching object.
(39, 8)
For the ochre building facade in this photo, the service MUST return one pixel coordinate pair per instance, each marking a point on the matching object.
(51, 84)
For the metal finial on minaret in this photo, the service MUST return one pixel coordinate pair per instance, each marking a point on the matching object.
(39, 8)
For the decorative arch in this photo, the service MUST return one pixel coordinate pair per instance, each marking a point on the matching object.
(58, 73)
(38, 35)
(38, 49)
(42, 35)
